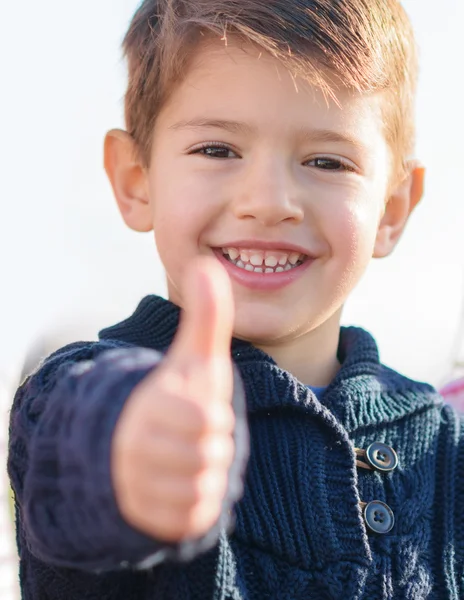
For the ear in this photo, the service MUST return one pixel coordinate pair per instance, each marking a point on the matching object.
(128, 179)
(401, 202)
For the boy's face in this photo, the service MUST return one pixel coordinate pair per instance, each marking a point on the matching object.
(249, 160)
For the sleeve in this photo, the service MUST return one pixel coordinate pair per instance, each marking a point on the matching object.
(61, 426)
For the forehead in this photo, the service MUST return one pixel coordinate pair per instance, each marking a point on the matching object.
(241, 82)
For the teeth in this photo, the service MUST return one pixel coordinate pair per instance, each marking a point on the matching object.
(233, 253)
(261, 261)
(257, 259)
(271, 261)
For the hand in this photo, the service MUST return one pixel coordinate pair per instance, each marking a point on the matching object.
(173, 446)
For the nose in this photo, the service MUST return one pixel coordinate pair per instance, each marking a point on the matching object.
(269, 194)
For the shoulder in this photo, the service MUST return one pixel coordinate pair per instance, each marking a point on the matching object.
(421, 397)
(64, 368)
(360, 359)
(85, 379)
(452, 424)
(396, 381)
(406, 401)
(65, 358)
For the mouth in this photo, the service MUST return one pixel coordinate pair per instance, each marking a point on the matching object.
(264, 267)
(266, 262)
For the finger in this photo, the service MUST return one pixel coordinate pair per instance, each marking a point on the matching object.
(205, 330)
(168, 401)
(172, 523)
(182, 415)
(186, 491)
(168, 454)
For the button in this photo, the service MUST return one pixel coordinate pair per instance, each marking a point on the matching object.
(379, 517)
(382, 457)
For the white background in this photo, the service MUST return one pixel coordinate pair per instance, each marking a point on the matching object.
(67, 261)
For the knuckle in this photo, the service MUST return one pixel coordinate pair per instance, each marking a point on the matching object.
(201, 518)
(212, 484)
(195, 491)
(219, 483)
(192, 522)
(205, 486)
(200, 417)
(227, 450)
(216, 417)
(200, 457)
(221, 418)
(218, 449)
(227, 417)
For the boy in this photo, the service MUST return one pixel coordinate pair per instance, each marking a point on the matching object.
(268, 148)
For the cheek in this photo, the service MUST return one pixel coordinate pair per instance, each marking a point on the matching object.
(182, 198)
(173, 200)
(182, 210)
(361, 231)
(352, 234)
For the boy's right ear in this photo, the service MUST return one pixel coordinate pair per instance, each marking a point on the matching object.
(128, 179)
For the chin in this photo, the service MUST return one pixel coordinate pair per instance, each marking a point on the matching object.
(273, 325)
(260, 326)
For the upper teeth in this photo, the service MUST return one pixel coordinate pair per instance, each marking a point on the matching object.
(259, 258)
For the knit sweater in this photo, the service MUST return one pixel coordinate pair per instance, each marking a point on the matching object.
(300, 531)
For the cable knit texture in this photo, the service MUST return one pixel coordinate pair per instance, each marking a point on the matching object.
(299, 530)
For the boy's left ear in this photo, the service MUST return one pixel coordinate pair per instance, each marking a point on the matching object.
(401, 202)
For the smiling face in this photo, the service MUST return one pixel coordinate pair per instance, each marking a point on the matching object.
(286, 189)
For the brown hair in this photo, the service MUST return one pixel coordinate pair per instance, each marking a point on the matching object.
(366, 45)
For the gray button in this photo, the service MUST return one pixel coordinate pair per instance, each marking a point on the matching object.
(379, 517)
(382, 457)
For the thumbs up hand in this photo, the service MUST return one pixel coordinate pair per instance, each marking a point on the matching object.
(173, 446)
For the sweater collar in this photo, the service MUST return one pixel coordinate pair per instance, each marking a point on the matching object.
(363, 393)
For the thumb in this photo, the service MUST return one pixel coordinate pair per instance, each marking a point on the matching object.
(206, 325)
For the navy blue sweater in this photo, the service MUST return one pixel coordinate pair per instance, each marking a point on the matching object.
(300, 529)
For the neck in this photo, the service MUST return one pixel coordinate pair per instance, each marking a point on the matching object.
(312, 357)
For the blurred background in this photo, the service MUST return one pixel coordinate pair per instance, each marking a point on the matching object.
(70, 267)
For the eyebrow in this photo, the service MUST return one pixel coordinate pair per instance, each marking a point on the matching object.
(204, 123)
(308, 135)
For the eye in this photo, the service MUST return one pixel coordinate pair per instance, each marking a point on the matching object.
(214, 151)
(330, 164)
